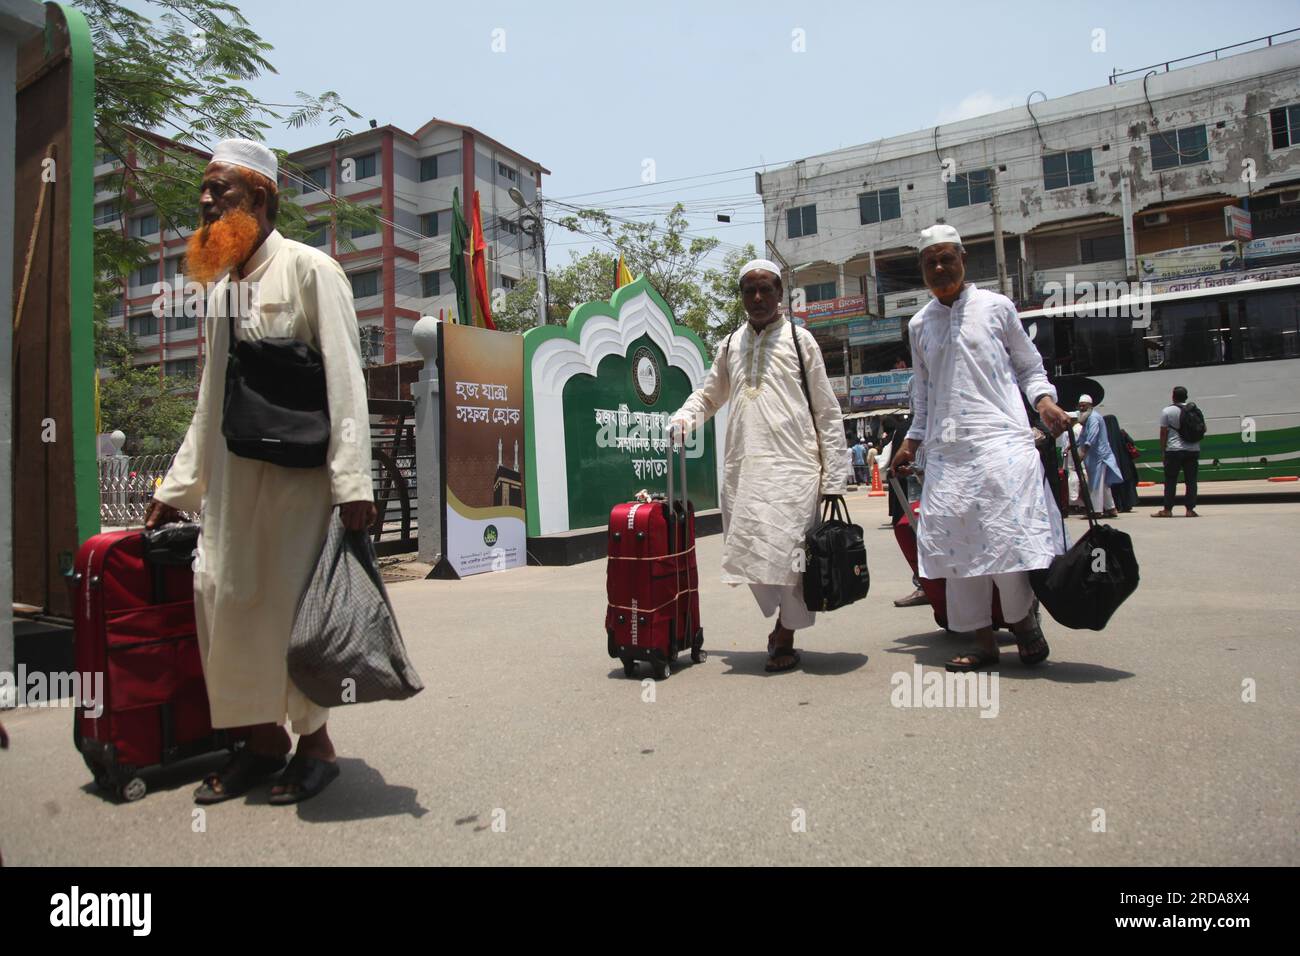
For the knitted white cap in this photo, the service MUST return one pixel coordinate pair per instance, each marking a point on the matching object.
(938, 233)
(248, 154)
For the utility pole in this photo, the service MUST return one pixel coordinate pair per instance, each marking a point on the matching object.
(998, 250)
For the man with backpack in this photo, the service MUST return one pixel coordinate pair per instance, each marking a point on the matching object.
(1182, 426)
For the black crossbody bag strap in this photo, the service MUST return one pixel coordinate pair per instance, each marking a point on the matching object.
(803, 378)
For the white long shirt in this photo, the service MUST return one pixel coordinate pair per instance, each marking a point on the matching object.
(984, 507)
(263, 525)
(774, 473)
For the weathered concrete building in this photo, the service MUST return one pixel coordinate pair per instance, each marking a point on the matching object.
(1126, 181)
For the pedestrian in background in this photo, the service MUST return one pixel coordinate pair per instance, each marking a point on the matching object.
(1182, 453)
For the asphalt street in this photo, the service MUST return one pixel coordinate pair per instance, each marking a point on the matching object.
(1129, 747)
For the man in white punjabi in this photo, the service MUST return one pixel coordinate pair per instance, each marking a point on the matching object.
(782, 455)
(263, 525)
(987, 517)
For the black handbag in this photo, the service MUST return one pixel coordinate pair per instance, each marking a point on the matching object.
(1083, 587)
(276, 408)
(835, 560)
(835, 552)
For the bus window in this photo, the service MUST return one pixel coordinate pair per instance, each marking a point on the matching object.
(1043, 334)
(1196, 332)
(1270, 325)
(1105, 345)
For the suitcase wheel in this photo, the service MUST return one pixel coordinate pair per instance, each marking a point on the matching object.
(663, 670)
(132, 790)
(629, 667)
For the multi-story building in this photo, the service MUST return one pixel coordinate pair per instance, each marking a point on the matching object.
(399, 271)
(1126, 182)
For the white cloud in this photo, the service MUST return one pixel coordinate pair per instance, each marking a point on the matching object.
(976, 104)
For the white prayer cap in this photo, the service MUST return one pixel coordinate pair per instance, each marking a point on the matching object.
(938, 233)
(753, 264)
(1085, 400)
(248, 154)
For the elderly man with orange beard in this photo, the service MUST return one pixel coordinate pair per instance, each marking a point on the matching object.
(263, 524)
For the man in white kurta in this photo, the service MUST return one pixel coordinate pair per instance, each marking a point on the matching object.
(781, 455)
(987, 516)
(263, 525)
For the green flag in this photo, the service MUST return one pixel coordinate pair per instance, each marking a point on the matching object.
(459, 242)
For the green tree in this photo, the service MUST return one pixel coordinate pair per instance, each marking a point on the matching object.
(153, 415)
(180, 74)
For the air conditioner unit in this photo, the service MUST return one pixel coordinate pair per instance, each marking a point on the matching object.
(1289, 197)
(1156, 219)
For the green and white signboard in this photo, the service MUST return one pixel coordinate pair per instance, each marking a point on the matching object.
(601, 389)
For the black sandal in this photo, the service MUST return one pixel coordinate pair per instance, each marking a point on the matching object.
(306, 777)
(786, 650)
(975, 660)
(1035, 639)
(243, 772)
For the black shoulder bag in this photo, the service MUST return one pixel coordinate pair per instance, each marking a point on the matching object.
(1082, 588)
(276, 408)
(835, 552)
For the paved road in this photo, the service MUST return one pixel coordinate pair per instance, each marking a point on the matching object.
(526, 722)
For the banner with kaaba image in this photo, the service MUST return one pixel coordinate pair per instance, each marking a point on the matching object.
(482, 380)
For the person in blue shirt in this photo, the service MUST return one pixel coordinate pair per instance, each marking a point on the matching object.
(1098, 459)
(859, 461)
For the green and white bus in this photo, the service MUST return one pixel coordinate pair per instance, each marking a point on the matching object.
(1235, 348)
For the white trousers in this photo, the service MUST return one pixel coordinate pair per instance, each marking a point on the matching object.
(970, 600)
(788, 599)
(1102, 499)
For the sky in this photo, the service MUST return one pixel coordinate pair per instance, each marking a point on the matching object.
(701, 93)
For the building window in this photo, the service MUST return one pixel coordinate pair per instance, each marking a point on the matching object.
(116, 309)
(365, 166)
(181, 368)
(801, 222)
(1184, 147)
(106, 212)
(1285, 122)
(365, 283)
(428, 168)
(172, 266)
(319, 236)
(819, 291)
(508, 225)
(431, 284)
(1101, 249)
(879, 206)
(146, 275)
(1067, 169)
(314, 179)
(969, 189)
(358, 231)
(142, 325)
(508, 283)
(179, 323)
(429, 224)
(142, 226)
(507, 172)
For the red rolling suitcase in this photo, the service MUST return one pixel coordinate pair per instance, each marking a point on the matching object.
(935, 588)
(133, 595)
(652, 581)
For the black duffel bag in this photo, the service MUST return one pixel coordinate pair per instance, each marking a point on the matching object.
(835, 559)
(1086, 585)
(276, 408)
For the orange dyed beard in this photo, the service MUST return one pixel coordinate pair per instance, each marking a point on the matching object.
(224, 244)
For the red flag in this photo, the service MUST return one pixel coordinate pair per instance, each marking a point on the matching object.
(482, 304)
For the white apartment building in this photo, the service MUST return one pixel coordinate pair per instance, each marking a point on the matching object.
(1126, 181)
(399, 271)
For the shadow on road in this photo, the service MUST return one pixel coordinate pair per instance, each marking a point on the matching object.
(817, 663)
(936, 648)
(359, 793)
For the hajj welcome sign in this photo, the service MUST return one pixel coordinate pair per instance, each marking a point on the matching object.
(601, 388)
(483, 433)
